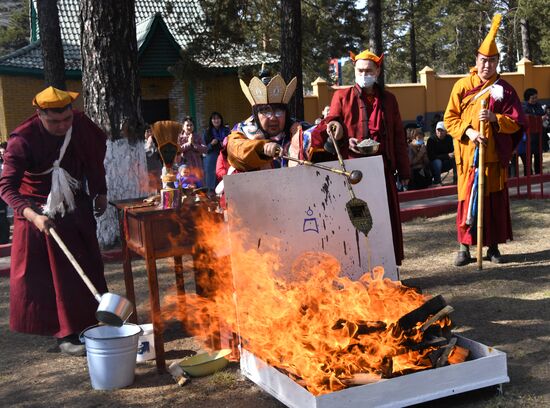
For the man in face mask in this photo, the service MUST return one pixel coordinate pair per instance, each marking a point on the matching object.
(367, 111)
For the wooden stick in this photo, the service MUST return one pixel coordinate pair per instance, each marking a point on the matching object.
(480, 193)
(73, 261)
(442, 360)
(443, 312)
(361, 379)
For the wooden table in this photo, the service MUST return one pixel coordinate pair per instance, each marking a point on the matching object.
(154, 233)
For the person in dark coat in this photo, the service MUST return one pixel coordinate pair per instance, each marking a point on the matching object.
(531, 106)
(213, 138)
(441, 153)
(54, 177)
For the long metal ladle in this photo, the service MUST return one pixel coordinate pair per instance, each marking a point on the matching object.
(113, 309)
(354, 176)
(358, 210)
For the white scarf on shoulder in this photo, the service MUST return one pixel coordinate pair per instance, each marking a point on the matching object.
(61, 197)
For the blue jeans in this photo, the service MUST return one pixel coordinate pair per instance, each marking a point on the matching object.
(439, 166)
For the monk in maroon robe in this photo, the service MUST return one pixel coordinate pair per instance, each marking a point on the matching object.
(361, 112)
(47, 296)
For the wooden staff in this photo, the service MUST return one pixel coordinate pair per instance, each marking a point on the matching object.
(480, 192)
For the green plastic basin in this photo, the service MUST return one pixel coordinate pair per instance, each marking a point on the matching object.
(205, 363)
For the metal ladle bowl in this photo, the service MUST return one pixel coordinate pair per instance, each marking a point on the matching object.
(113, 309)
(355, 176)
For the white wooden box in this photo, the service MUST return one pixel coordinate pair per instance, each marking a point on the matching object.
(487, 367)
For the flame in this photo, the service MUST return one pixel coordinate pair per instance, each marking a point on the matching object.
(320, 328)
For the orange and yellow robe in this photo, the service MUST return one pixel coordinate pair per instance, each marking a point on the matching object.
(503, 136)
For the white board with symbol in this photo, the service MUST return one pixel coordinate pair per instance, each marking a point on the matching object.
(299, 209)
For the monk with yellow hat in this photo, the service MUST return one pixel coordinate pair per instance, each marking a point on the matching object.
(53, 98)
(53, 176)
(367, 111)
(504, 118)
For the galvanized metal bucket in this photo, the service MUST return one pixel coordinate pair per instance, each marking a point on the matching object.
(111, 353)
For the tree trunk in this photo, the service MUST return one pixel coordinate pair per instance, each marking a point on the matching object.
(412, 42)
(374, 16)
(110, 85)
(510, 55)
(52, 48)
(525, 38)
(291, 52)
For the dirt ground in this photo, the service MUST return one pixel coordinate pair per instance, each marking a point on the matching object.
(505, 306)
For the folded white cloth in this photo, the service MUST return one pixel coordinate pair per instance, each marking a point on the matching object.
(61, 196)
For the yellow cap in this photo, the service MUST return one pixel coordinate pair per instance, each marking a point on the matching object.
(489, 47)
(53, 98)
(367, 55)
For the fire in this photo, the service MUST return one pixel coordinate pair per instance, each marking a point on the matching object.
(319, 327)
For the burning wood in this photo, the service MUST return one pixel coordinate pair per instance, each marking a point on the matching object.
(458, 355)
(361, 379)
(419, 315)
(428, 342)
(438, 316)
(443, 358)
(361, 327)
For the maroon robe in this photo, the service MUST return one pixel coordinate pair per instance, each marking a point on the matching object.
(47, 296)
(384, 126)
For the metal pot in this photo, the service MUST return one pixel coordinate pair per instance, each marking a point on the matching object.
(114, 309)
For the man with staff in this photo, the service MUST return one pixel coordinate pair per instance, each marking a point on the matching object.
(489, 134)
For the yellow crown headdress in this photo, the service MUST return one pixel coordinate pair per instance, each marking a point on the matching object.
(367, 55)
(489, 47)
(276, 91)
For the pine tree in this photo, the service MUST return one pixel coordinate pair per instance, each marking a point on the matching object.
(112, 98)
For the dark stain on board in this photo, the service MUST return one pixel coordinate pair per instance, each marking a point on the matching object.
(358, 249)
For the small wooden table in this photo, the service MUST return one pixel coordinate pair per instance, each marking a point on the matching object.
(155, 233)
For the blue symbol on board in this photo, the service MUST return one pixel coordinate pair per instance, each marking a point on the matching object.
(143, 348)
(310, 223)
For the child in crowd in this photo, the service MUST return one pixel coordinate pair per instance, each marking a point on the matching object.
(186, 179)
(421, 176)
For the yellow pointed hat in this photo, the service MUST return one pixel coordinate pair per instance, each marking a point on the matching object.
(367, 55)
(53, 98)
(489, 46)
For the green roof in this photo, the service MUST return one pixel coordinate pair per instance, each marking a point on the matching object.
(159, 36)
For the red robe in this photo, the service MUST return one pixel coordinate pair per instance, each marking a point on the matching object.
(47, 296)
(384, 126)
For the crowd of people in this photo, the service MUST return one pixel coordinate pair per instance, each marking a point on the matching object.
(53, 174)
(197, 153)
(430, 154)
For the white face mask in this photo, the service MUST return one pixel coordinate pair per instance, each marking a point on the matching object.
(365, 81)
